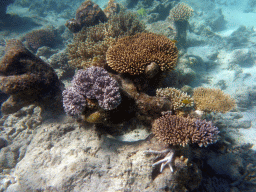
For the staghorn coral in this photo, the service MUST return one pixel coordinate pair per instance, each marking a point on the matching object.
(90, 44)
(212, 100)
(178, 98)
(88, 14)
(181, 12)
(132, 54)
(28, 79)
(39, 38)
(175, 130)
(90, 84)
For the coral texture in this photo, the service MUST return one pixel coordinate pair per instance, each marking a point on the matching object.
(178, 98)
(112, 8)
(176, 130)
(90, 44)
(73, 102)
(132, 54)
(213, 100)
(27, 79)
(39, 38)
(181, 12)
(93, 83)
(88, 14)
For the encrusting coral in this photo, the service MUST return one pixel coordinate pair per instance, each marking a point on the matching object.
(212, 100)
(132, 54)
(179, 99)
(90, 44)
(27, 79)
(90, 84)
(175, 130)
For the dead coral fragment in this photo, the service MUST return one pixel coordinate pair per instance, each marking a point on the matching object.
(178, 98)
(213, 100)
(27, 79)
(181, 12)
(175, 130)
(132, 54)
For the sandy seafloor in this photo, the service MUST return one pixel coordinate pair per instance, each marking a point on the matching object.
(240, 83)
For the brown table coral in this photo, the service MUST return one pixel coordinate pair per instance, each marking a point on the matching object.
(28, 79)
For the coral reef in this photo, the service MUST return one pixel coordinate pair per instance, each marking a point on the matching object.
(179, 99)
(133, 54)
(39, 38)
(212, 100)
(88, 14)
(112, 8)
(180, 15)
(90, 44)
(27, 79)
(176, 130)
(92, 83)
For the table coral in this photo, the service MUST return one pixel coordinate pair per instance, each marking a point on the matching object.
(180, 15)
(27, 79)
(132, 54)
(213, 100)
(175, 130)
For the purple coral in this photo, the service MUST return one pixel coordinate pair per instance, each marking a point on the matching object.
(73, 102)
(92, 83)
(107, 92)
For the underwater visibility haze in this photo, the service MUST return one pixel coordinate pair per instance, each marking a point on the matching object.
(128, 95)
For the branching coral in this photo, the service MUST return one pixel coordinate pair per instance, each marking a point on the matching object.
(27, 79)
(213, 100)
(93, 83)
(132, 54)
(90, 44)
(178, 98)
(175, 130)
(181, 12)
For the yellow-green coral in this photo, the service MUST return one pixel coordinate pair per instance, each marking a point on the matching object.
(213, 100)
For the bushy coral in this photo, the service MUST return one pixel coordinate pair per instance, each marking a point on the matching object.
(92, 83)
(181, 12)
(40, 37)
(178, 98)
(213, 100)
(132, 54)
(90, 44)
(28, 79)
(175, 130)
(112, 8)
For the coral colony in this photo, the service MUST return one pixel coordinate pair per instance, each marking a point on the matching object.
(119, 65)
